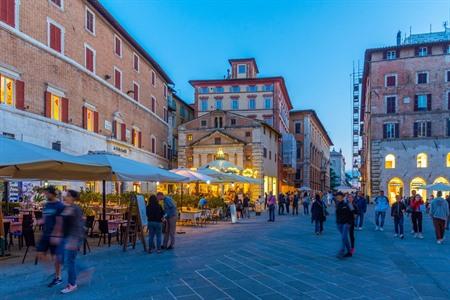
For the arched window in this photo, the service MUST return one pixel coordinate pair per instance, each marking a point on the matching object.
(422, 160)
(389, 161)
(395, 187)
(448, 160)
(444, 181)
(419, 185)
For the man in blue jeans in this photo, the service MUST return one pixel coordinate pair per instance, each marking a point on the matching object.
(344, 217)
(362, 208)
(381, 206)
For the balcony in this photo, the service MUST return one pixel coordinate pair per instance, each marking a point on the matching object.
(171, 104)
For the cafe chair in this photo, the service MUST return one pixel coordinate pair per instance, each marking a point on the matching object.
(38, 220)
(105, 232)
(89, 225)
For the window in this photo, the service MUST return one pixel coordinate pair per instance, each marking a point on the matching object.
(204, 104)
(89, 59)
(234, 104)
(58, 3)
(422, 51)
(422, 160)
(55, 36)
(153, 104)
(390, 80)
(299, 150)
(8, 12)
(203, 123)
(235, 89)
(90, 21)
(153, 78)
(120, 130)
(182, 111)
(422, 77)
(218, 103)
(447, 76)
(251, 103)
(203, 90)
(136, 62)
(117, 46)
(252, 88)
(390, 130)
(391, 104)
(217, 141)
(268, 88)
(56, 146)
(389, 161)
(136, 137)
(448, 160)
(268, 103)
(422, 102)
(165, 115)
(189, 137)
(135, 91)
(218, 89)
(248, 134)
(298, 127)
(218, 122)
(392, 54)
(298, 174)
(422, 129)
(265, 152)
(165, 91)
(117, 78)
(242, 69)
(55, 107)
(153, 144)
(90, 119)
(7, 91)
(233, 121)
(270, 154)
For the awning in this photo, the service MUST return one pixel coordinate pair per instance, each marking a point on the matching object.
(193, 176)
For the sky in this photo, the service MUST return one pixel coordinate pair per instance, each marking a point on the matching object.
(312, 44)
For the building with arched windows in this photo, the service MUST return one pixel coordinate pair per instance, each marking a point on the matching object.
(405, 113)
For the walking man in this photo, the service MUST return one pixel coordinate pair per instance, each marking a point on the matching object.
(306, 201)
(381, 206)
(170, 217)
(344, 218)
(280, 204)
(271, 203)
(361, 204)
(397, 210)
(295, 204)
(439, 211)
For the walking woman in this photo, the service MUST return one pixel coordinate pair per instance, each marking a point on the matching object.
(318, 215)
(354, 209)
(417, 208)
(155, 215)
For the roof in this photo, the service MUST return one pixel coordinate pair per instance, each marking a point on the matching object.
(247, 80)
(114, 23)
(252, 59)
(313, 112)
(428, 37)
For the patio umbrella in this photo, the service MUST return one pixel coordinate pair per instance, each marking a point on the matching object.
(222, 165)
(193, 176)
(438, 187)
(124, 169)
(21, 160)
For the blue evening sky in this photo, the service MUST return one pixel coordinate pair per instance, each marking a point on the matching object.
(312, 44)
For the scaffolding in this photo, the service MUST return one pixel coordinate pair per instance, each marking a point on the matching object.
(356, 81)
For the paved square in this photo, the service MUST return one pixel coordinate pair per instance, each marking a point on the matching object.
(257, 260)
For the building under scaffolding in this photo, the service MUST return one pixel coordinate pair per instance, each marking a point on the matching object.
(356, 80)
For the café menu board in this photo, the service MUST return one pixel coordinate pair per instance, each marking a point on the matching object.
(142, 209)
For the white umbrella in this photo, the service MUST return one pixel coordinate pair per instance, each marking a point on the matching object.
(438, 187)
(193, 176)
(21, 160)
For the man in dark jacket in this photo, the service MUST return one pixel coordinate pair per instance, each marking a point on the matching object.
(344, 217)
(397, 210)
(361, 204)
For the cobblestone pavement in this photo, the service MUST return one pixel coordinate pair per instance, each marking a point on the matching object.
(256, 260)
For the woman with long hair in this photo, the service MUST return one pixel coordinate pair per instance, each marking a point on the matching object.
(155, 215)
(417, 209)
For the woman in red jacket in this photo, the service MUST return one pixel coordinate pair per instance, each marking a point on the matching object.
(417, 207)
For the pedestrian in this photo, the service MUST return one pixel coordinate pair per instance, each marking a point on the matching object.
(295, 204)
(306, 201)
(51, 233)
(239, 208)
(155, 215)
(202, 202)
(170, 219)
(361, 204)
(354, 208)
(287, 202)
(73, 237)
(439, 211)
(271, 203)
(381, 206)
(318, 214)
(397, 211)
(246, 206)
(417, 209)
(280, 204)
(265, 201)
(343, 220)
(409, 209)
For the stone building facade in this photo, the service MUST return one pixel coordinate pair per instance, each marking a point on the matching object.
(337, 164)
(73, 79)
(313, 150)
(406, 115)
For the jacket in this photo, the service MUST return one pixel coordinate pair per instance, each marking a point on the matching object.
(318, 211)
(344, 215)
(439, 209)
(381, 203)
(361, 204)
(415, 205)
(397, 209)
(170, 208)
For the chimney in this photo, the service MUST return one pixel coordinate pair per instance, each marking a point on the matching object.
(399, 38)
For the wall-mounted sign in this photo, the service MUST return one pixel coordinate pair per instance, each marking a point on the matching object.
(108, 125)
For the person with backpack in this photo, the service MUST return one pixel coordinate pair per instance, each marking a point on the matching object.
(306, 201)
(439, 212)
(381, 206)
(397, 211)
(361, 204)
(155, 214)
(318, 215)
(417, 209)
(344, 218)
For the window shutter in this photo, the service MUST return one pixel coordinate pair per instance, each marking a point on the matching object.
(416, 129)
(114, 129)
(7, 12)
(416, 103)
(397, 130)
(58, 34)
(65, 110)
(123, 132)
(429, 102)
(48, 104)
(89, 60)
(429, 128)
(132, 135)
(96, 121)
(384, 131)
(20, 94)
(84, 117)
(140, 139)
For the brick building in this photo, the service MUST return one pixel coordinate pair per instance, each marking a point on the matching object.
(73, 79)
(313, 150)
(406, 115)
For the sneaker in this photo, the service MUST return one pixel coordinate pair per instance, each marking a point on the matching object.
(413, 232)
(55, 281)
(376, 228)
(395, 235)
(349, 254)
(416, 235)
(69, 289)
(439, 242)
(381, 229)
(420, 236)
(402, 236)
